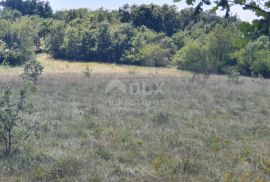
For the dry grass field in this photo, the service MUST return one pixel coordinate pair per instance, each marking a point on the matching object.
(173, 130)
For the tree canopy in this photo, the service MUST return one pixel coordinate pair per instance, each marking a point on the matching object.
(261, 8)
(29, 7)
(147, 35)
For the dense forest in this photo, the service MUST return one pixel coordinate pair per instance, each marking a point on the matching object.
(147, 35)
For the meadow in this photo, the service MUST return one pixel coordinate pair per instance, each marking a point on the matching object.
(183, 131)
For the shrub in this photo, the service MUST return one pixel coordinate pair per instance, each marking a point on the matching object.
(179, 39)
(261, 64)
(154, 55)
(13, 125)
(16, 41)
(233, 76)
(103, 153)
(148, 48)
(55, 39)
(72, 43)
(220, 46)
(162, 164)
(32, 71)
(87, 72)
(194, 57)
(2, 51)
(120, 40)
(254, 57)
(161, 118)
(209, 54)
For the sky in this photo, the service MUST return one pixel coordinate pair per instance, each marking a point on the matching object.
(114, 4)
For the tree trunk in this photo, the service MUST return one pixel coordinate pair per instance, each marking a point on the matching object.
(8, 144)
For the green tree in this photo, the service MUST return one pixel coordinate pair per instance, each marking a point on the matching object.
(194, 57)
(250, 58)
(142, 37)
(210, 53)
(72, 43)
(102, 42)
(158, 18)
(221, 46)
(29, 7)
(154, 55)
(70, 15)
(10, 14)
(262, 63)
(55, 39)
(17, 38)
(261, 9)
(32, 71)
(121, 36)
(148, 15)
(179, 39)
(13, 125)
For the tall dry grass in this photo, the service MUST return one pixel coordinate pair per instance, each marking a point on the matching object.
(217, 131)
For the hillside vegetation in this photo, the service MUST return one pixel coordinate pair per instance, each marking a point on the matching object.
(146, 35)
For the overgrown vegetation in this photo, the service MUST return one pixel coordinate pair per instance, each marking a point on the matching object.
(14, 126)
(32, 71)
(148, 35)
(219, 131)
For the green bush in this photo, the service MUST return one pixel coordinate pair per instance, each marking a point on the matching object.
(254, 57)
(194, 57)
(210, 53)
(87, 72)
(16, 41)
(179, 39)
(161, 117)
(154, 55)
(261, 64)
(32, 71)
(233, 76)
(72, 43)
(55, 39)
(13, 124)
(221, 45)
(2, 51)
(149, 48)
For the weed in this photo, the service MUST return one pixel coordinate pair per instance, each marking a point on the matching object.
(161, 117)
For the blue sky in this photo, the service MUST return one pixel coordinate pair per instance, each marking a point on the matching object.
(114, 4)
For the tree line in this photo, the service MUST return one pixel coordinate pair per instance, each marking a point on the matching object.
(147, 35)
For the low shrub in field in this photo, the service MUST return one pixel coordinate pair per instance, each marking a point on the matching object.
(162, 163)
(233, 77)
(65, 167)
(161, 118)
(191, 167)
(103, 154)
(13, 124)
(32, 71)
(266, 166)
(87, 72)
